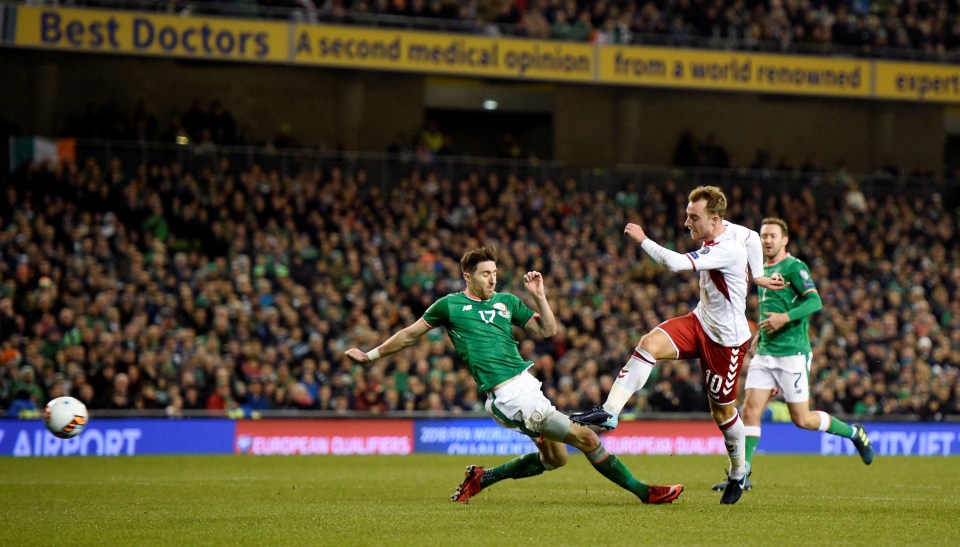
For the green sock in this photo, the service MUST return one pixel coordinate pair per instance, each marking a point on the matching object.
(841, 428)
(751, 445)
(528, 465)
(612, 468)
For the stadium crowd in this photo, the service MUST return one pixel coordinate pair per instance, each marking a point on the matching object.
(885, 28)
(162, 287)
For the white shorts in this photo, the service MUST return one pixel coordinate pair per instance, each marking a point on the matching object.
(790, 374)
(521, 405)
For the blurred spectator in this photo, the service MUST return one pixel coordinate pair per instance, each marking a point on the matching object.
(223, 127)
(370, 398)
(24, 405)
(509, 147)
(195, 119)
(256, 398)
(27, 384)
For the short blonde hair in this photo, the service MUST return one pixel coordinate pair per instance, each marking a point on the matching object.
(716, 200)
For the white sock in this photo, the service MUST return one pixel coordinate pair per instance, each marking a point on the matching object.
(632, 377)
(824, 421)
(733, 438)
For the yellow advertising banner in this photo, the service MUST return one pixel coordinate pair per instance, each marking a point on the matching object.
(734, 71)
(918, 82)
(436, 53)
(139, 33)
(359, 48)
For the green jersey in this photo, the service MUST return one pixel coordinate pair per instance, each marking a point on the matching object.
(482, 333)
(793, 338)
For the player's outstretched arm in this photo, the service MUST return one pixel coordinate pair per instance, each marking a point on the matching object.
(402, 340)
(546, 323)
(675, 261)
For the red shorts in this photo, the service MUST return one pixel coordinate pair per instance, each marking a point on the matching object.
(719, 365)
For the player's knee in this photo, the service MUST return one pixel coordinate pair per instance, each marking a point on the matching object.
(646, 343)
(752, 414)
(658, 345)
(721, 414)
(805, 420)
(716, 414)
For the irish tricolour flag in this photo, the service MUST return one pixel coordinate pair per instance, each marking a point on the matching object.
(41, 150)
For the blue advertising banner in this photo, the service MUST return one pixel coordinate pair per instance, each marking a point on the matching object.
(484, 436)
(120, 437)
(889, 439)
(460, 436)
(468, 436)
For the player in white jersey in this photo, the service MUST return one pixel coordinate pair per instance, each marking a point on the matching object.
(717, 331)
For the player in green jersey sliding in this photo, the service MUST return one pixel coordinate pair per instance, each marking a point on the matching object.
(783, 354)
(479, 322)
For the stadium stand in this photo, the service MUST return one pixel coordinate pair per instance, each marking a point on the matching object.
(176, 281)
(890, 29)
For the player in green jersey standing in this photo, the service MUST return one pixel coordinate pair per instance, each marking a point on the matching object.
(479, 322)
(783, 352)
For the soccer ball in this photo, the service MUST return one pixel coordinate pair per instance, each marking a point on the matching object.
(65, 417)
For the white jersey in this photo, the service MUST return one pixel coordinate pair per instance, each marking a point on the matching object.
(751, 240)
(722, 264)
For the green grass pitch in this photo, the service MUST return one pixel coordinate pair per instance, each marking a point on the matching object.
(381, 500)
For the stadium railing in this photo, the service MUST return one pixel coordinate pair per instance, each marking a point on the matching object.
(384, 169)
